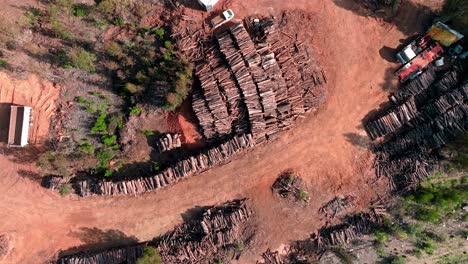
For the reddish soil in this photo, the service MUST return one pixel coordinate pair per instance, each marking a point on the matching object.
(328, 150)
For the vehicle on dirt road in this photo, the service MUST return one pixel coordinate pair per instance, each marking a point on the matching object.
(207, 4)
(223, 18)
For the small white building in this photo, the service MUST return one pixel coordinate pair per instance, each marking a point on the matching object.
(18, 133)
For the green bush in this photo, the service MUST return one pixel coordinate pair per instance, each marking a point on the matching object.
(380, 236)
(109, 141)
(118, 21)
(59, 31)
(159, 32)
(116, 121)
(150, 256)
(156, 166)
(428, 215)
(81, 100)
(64, 189)
(80, 10)
(302, 195)
(147, 132)
(82, 59)
(396, 260)
(135, 110)
(104, 156)
(100, 125)
(3, 63)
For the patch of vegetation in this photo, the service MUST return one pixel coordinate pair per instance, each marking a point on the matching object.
(150, 256)
(82, 59)
(81, 10)
(64, 189)
(147, 132)
(3, 63)
(453, 259)
(135, 110)
(302, 195)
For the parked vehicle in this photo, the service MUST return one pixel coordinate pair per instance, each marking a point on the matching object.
(207, 4)
(223, 18)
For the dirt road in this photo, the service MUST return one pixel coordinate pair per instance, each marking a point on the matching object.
(327, 150)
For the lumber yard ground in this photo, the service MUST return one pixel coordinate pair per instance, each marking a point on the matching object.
(329, 150)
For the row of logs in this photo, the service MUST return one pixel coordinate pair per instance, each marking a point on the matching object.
(207, 159)
(168, 142)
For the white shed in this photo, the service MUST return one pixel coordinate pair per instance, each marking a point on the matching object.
(18, 133)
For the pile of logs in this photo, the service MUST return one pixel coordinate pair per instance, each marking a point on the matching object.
(270, 257)
(393, 120)
(168, 142)
(428, 113)
(199, 240)
(255, 87)
(52, 182)
(290, 186)
(337, 206)
(207, 159)
(112, 256)
(354, 227)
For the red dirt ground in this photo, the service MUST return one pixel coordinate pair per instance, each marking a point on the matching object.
(328, 150)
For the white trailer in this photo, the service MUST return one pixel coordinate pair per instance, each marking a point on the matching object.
(18, 133)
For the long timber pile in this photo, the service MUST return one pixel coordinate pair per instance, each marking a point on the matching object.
(427, 113)
(199, 241)
(337, 206)
(185, 168)
(112, 256)
(251, 86)
(354, 227)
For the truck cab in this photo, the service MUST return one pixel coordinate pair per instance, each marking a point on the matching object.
(207, 4)
(223, 18)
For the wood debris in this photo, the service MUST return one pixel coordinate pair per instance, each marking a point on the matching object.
(337, 206)
(111, 256)
(291, 187)
(168, 142)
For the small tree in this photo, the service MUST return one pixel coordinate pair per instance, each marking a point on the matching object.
(150, 256)
(457, 12)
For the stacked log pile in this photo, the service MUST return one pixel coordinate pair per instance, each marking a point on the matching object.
(111, 256)
(265, 86)
(207, 159)
(268, 83)
(344, 233)
(53, 182)
(245, 82)
(168, 142)
(393, 120)
(205, 118)
(212, 95)
(438, 113)
(232, 94)
(337, 206)
(198, 241)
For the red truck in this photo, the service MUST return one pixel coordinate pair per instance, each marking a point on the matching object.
(416, 65)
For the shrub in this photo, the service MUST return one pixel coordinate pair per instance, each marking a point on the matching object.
(3, 63)
(60, 31)
(156, 166)
(81, 100)
(109, 141)
(380, 236)
(428, 215)
(82, 59)
(133, 88)
(167, 44)
(87, 147)
(457, 11)
(302, 195)
(116, 121)
(114, 49)
(118, 21)
(150, 256)
(104, 156)
(64, 189)
(159, 32)
(147, 132)
(396, 260)
(80, 10)
(100, 126)
(135, 110)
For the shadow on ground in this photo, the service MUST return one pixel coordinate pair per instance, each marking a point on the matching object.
(98, 239)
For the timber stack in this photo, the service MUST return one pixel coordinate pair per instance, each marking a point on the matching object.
(254, 85)
(185, 168)
(426, 114)
(270, 257)
(342, 234)
(337, 206)
(203, 239)
(128, 254)
(168, 142)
